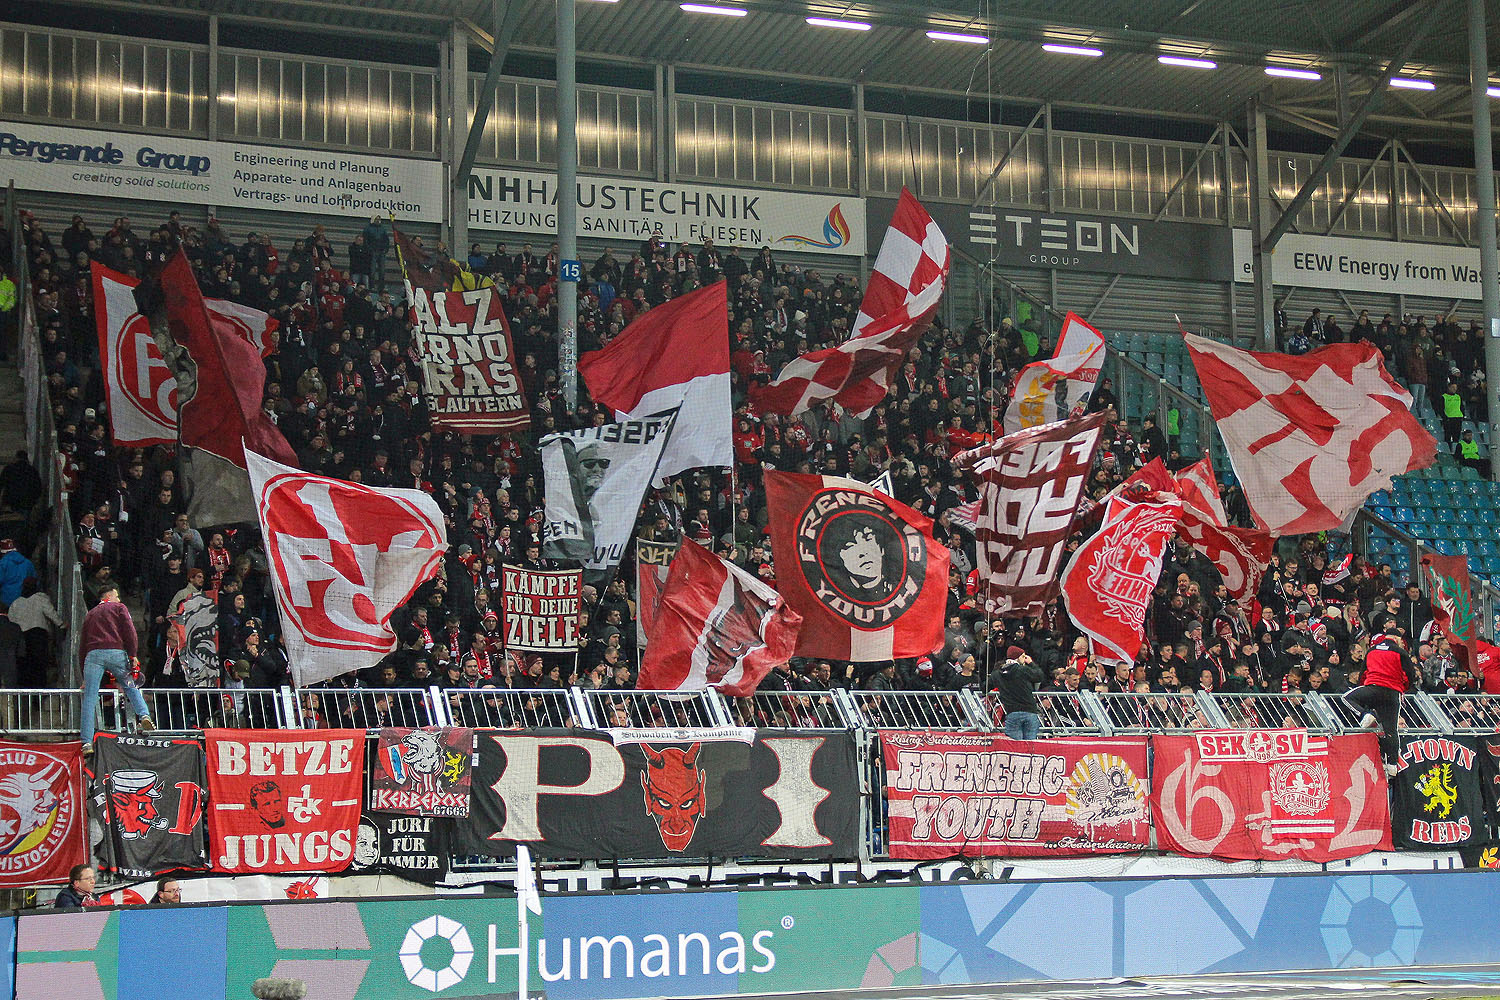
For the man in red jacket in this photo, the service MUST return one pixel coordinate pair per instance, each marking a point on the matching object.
(1389, 673)
(109, 643)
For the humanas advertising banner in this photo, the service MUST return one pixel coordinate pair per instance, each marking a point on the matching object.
(525, 201)
(191, 171)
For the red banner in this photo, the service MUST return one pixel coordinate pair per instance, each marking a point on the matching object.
(1109, 580)
(284, 801)
(541, 609)
(1269, 794)
(987, 796)
(469, 367)
(41, 813)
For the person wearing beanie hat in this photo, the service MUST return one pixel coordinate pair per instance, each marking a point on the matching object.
(1015, 689)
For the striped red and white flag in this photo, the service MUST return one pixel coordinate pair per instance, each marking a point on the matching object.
(910, 274)
(716, 626)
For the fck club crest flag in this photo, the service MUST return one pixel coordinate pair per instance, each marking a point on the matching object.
(148, 795)
(138, 386)
(343, 557)
(862, 569)
(1109, 581)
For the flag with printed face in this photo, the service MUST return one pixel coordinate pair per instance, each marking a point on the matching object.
(1310, 436)
(1109, 581)
(717, 626)
(221, 382)
(1048, 391)
(595, 481)
(674, 356)
(910, 274)
(343, 557)
(862, 569)
(1031, 483)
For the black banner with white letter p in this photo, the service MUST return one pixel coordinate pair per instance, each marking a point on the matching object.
(664, 793)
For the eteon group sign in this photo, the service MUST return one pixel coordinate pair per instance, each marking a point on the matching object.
(1029, 238)
(91, 163)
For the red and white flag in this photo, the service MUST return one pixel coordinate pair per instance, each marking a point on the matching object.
(222, 415)
(1199, 487)
(1310, 436)
(674, 355)
(139, 388)
(862, 569)
(1075, 363)
(910, 274)
(716, 626)
(1239, 554)
(1338, 571)
(1109, 581)
(343, 558)
(1030, 485)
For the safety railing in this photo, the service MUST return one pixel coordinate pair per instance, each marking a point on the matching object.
(1063, 713)
(190, 709)
(40, 712)
(1155, 712)
(1417, 714)
(656, 709)
(365, 708)
(1274, 710)
(793, 710)
(510, 708)
(945, 710)
(1467, 713)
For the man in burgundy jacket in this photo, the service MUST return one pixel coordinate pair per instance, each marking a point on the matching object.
(1389, 673)
(109, 643)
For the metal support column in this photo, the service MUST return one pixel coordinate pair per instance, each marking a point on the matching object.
(567, 199)
(507, 17)
(659, 124)
(458, 131)
(861, 172)
(669, 126)
(1484, 192)
(1262, 211)
(1047, 163)
(213, 77)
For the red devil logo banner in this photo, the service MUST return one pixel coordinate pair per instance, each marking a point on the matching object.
(575, 794)
(1269, 794)
(148, 794)
(41, 813)
(1109, 581)
(284, 801)
(861, 569)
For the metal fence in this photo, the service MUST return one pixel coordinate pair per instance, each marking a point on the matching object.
(47, 534)
(508, 708)
(656, 709)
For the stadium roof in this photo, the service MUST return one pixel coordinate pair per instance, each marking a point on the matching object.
(1345, 42)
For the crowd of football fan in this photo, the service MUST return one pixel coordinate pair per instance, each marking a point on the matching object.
(342, 386)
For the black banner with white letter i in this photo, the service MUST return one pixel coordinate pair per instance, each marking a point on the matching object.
(660, 793)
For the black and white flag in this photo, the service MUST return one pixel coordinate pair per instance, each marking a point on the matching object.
(146, 797)
(595, 481)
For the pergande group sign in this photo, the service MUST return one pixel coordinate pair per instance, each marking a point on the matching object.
(192, 171)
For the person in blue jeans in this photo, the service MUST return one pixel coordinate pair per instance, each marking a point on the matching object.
(1015, 688)
(109, 644)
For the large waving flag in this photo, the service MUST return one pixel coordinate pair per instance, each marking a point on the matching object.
(222, 383)
(343, 557)
(862, 569)
(910, 274)
(1310, 436)
(717, 626)
(1074, 364)
(675, 355)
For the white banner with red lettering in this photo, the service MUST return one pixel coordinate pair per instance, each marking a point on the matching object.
(343, 558)
(138, 387)
(283, 801)
(1108, 582)
(1269, 794)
